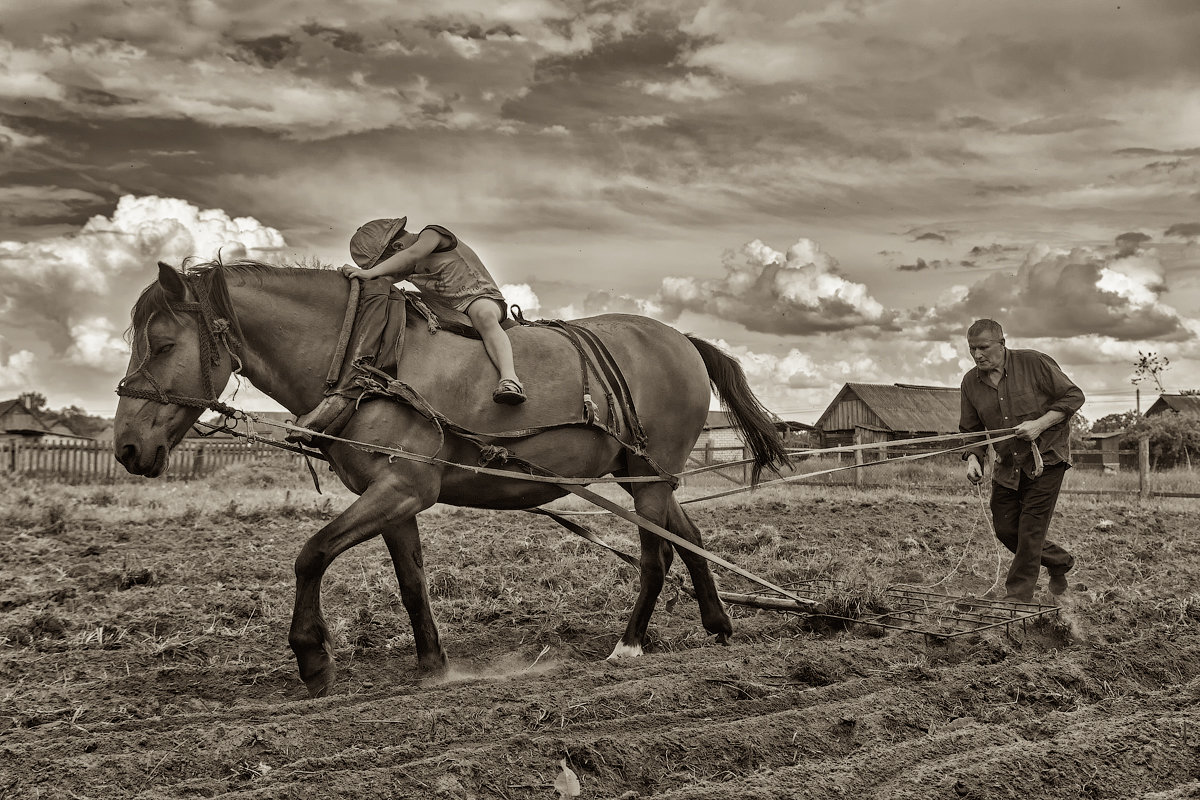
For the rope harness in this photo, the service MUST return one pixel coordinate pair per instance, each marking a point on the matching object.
(213, 333)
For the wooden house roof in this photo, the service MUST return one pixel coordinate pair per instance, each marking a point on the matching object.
(16, 417)
(1181, 403)
(901, 408)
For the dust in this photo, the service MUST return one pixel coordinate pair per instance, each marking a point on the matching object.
(507, 667)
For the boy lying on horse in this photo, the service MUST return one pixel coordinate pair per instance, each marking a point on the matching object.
(444, 269)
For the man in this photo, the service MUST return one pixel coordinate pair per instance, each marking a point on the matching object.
(1024, 390)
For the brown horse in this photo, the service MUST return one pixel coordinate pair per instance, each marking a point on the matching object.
(279, 326)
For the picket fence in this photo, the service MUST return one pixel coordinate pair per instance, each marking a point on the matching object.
(86, 461)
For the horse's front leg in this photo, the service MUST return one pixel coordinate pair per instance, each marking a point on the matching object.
(404, 543)
(385, 504)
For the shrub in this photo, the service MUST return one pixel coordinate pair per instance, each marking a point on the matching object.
(1174, 439)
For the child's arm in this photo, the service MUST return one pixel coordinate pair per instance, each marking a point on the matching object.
(402, 262)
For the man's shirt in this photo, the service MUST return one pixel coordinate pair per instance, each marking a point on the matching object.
(1031, 384)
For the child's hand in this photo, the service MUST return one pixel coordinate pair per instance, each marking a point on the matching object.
(353, 272)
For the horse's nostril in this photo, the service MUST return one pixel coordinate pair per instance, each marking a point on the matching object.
(126, 454)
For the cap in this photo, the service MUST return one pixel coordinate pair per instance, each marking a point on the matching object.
(369, 242)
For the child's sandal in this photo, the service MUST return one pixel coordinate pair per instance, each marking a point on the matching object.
(509, 392)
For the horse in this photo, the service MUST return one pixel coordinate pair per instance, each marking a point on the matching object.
(278, 326)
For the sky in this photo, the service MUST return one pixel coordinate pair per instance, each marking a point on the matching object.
(831, 190)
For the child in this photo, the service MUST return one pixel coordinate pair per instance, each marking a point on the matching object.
(447, 271)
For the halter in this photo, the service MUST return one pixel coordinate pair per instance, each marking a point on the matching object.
(213, 332)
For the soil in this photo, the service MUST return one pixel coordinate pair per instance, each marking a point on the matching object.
(147, 657)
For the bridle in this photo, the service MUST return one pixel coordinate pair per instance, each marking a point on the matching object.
(214, 333)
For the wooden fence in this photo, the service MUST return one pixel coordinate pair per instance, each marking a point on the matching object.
(86, 461)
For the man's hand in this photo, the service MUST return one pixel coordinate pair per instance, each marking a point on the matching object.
(1029, 430)
(974, 469)
(353, 272)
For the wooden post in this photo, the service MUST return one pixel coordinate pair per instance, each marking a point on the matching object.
(708, 452)
(198, 462)
(858, 458)
(1144, 466)
(746, 467)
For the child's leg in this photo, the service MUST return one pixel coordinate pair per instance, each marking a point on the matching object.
(485, 316)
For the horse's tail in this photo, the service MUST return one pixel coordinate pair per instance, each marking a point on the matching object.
(748, 415)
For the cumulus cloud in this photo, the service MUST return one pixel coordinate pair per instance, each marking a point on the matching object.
(800, 382)
(800, 291)
(522, 295)
(1065, 293)
(65, 300)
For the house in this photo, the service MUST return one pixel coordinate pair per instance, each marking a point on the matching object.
(1179, 403)
(877, 412)
(719, 438)
(1106, 456)
(19, 420)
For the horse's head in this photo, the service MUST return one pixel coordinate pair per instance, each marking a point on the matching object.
(180, 362)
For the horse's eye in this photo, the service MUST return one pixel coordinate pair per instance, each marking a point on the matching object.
(164, 348)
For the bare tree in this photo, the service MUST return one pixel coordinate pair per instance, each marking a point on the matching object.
(1150, 366)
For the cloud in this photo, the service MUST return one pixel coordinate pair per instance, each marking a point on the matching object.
(799, 292)
(12, 139)
(523, 296)
(66, 299)
(937, 263)
(930, 237)
(690, 88)
(1130, 242)
(991, 249)
(1065, 293)
(42, 202)
(1185, 230)
(1064, 123)
(107, 80)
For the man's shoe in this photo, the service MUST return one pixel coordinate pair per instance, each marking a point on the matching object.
(1058, 583)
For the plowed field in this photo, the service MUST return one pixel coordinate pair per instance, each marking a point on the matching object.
(144, 655)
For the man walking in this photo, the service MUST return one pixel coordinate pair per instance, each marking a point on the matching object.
(1025, 390)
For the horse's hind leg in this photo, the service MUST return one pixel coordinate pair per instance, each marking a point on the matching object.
(656, 502)
(404, 543)
(712, 611)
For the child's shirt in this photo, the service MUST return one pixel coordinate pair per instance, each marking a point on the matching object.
(454, 274)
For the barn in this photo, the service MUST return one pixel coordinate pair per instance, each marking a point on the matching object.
(1179, 403)
(880, 412)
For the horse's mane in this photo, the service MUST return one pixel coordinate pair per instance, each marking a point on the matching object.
(208, 278)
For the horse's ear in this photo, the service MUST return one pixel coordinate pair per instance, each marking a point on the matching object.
(172, 282)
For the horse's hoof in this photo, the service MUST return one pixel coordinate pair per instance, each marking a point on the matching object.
(433, 667)
(320, 680)
(623, 650)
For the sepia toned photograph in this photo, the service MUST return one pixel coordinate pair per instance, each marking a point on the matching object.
(672, 399)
